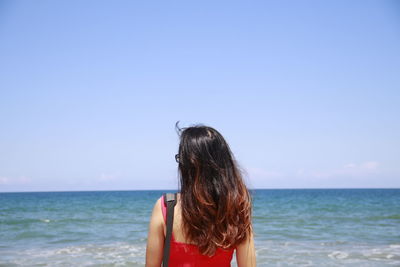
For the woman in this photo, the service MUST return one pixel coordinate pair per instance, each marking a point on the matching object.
(212, 216)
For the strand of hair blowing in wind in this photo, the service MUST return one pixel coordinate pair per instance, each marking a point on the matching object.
(216, 205)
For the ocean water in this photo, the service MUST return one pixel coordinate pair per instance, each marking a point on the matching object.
(332, 227)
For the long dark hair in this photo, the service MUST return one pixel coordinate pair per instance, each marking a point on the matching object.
(216, 205)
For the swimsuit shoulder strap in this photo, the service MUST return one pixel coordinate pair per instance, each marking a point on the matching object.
(169, 200)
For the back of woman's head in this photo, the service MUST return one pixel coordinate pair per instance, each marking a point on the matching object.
(216, 205)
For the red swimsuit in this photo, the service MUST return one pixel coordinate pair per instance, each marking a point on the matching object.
(188, 255)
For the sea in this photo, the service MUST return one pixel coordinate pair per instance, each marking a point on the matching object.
(300, 227)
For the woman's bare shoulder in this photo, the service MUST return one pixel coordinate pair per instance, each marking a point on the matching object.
(157, 215)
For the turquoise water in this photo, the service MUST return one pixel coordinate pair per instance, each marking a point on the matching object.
(343, 227)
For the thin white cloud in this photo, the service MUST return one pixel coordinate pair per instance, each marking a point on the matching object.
(21, 180)
(107, 177)
(4, 180)
(370, 165)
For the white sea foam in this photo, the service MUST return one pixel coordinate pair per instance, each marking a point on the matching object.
(269, 253)
(275, 253)
(117, 254)
(338, 255)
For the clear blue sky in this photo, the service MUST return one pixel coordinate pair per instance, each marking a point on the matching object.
(307, 93)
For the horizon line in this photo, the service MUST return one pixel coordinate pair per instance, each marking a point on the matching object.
(250, 189)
